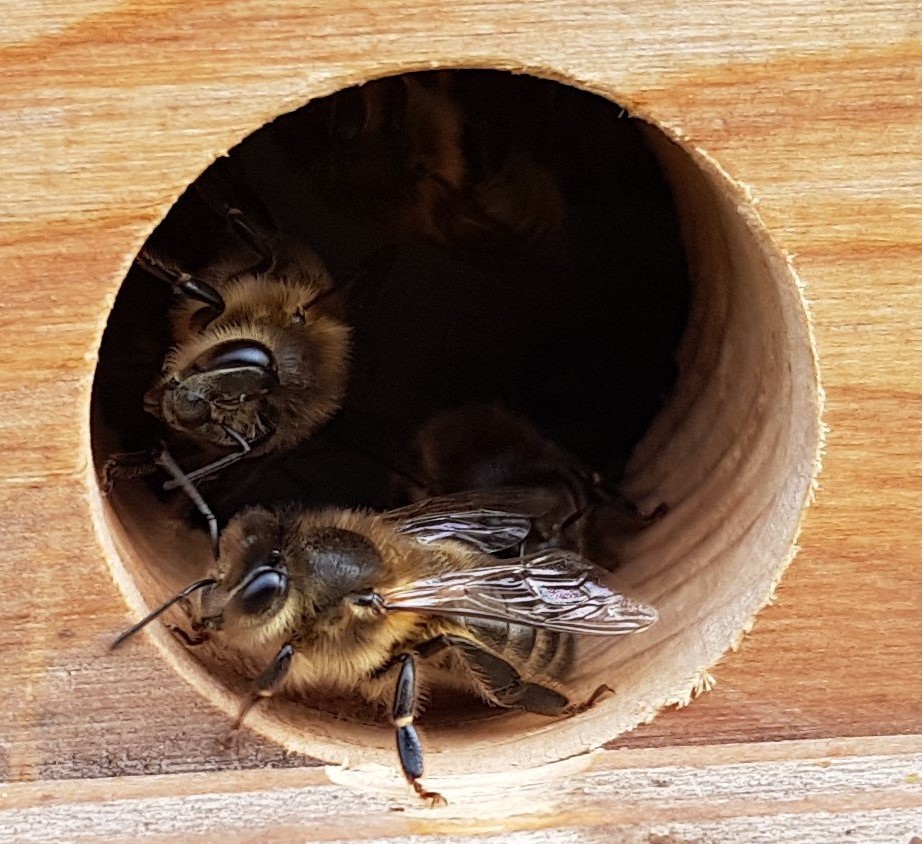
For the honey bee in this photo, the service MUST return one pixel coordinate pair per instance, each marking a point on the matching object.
(259, 353)
(488, 447)
(385, 605)
(266, 370)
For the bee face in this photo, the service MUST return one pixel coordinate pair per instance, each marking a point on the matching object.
(270, 367)
(223, 385)
(252, 578)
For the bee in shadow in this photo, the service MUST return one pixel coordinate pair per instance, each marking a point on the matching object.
(510, 463)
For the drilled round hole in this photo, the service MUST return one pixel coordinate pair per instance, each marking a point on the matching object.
(639, 314)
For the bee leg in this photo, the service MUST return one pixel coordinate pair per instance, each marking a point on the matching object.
(613, 496)
(505, 684)
(409, 748)
(188, 640)
(198, 636)
(220, 193)
(499, 677)
(601, 692)
(423, 650)
(268, 682)
(544, 701)
(570, 520)
(181, 282)
(217, 465)
(129, 464)
(254, 237)
(166, 462)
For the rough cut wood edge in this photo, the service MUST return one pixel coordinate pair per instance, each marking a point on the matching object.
(812, 427)
(775, 253)
(793, 791)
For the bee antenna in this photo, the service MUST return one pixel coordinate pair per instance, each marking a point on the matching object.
(192, 587)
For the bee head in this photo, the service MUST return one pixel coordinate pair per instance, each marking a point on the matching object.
(271, 366)
(252, 581)
(204, 390)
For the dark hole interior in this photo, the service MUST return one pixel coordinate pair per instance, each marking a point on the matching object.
(566, 308)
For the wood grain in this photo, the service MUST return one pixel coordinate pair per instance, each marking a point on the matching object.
(110, 109)
(863, 790)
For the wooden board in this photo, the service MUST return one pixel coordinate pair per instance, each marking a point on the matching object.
(834, 790)
(109, 109)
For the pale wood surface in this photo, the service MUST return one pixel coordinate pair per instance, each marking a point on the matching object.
(107, 110)
(836, 790)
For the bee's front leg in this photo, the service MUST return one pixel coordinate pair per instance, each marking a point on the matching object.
(409, 747)
(190, 641)
(127, 464)
(215, 466)
(268, 682)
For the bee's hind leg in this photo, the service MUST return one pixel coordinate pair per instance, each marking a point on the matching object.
(507, 687)
(504, 684)
(544, 701)
(601, 692)
(409, 747)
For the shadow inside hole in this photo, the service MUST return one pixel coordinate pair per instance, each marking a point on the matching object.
(575, 328)
(572, 323)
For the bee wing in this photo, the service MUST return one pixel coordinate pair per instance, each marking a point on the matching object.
(490, 521)
(554, 589)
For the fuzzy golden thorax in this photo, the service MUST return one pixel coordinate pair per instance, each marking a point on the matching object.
(272, 367)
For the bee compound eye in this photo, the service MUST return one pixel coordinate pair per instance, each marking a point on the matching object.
(263, 590)
(235, 354)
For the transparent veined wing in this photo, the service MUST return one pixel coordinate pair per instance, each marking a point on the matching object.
(489, 520)
(554, 589)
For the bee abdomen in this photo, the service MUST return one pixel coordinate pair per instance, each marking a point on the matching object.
(534, 651)
(551, 654)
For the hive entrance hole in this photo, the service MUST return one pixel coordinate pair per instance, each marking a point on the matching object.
(541, 250)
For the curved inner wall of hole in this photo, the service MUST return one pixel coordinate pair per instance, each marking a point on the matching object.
(663, 341)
